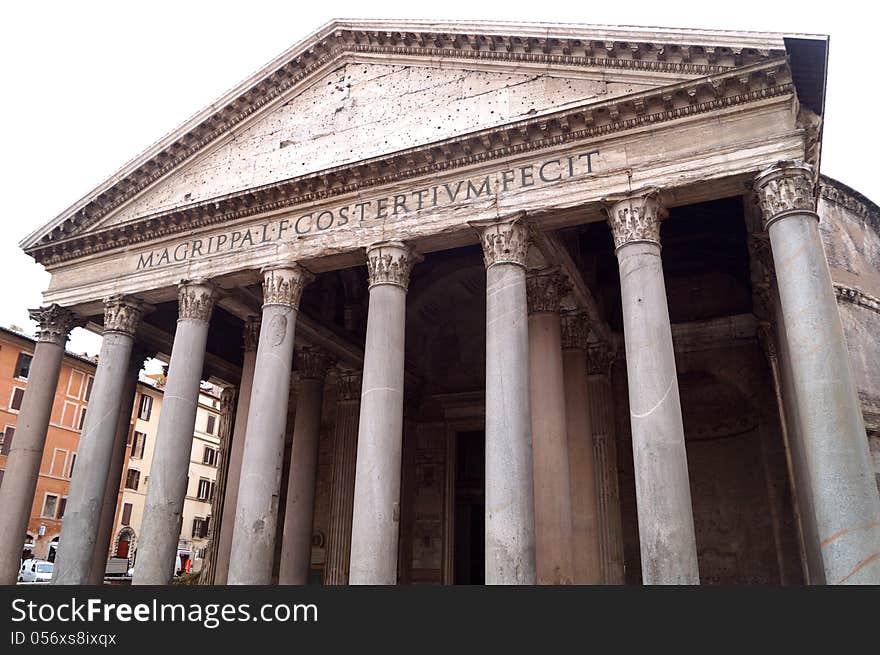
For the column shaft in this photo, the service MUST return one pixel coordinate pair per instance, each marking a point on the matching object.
(839, 471)
(169, 471)
(253, 540)
(114, 476)
(510, 507)
(342, 487)
(233, 474)
(584, 511)
(552, 482)
(26, 453)
(376, 513)
(82, 516)
(296, 548)
(601, 401)
(666, 525)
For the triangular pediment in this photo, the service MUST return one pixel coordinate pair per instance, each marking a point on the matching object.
(360, 91)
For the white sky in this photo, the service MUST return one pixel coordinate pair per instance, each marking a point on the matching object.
(90, 84)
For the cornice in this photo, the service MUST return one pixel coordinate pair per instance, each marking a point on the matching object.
(735, 87)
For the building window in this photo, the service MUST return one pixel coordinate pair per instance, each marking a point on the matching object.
(23, 366)
(209, 427)
(210, 456)
(206, 489)
(6, 439)
(132, 479)
(72, 462)
(75, 383)
(126, 514)
(50, 506)
(82, 419)
(58, 465)
(88, 393)
(17, 398)
(200, 527)
(62, 504)
(69, 415)
(145, 409)
(137, 445)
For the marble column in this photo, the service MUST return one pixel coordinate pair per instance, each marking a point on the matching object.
(253, 540)
(311, 364)
(663, 496)
(54, 324)
(839, 471)
(94, 458)
(601, 404)
(117, 464)
(236, 453)
(510, 507)
(166, 490)
(345, 438)
(552, 482)
(376, 513)
(586, 564)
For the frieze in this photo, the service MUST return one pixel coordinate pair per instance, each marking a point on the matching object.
(122, 314)
(54, 323)
(195, 300)
(732, 88)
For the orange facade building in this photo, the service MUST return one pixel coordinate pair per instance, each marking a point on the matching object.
(59, 455)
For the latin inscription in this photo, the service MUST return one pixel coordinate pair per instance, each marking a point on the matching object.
(393, 207)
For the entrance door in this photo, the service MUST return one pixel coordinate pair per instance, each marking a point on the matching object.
(470, 508)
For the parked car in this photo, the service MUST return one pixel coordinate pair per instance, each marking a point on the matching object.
(35, 570)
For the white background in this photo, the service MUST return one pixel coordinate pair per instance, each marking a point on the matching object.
(88, 85)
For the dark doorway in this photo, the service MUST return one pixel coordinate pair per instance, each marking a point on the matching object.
(470, 508)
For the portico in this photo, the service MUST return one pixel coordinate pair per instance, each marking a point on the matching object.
(504, 329)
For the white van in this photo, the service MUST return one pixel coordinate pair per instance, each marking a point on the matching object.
(35, 570)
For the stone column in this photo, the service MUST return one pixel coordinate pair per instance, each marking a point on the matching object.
(376, 513)
(582, 471)
(208, 574)
(296, 547)
(117, 464)
(510, 506)
(166, 490)
(552, 483)
(345, 438)
(82, 516)
(26, 453)
(253, 540)
(663, 496)
(601, 402)
(839, 472)
(236, 453)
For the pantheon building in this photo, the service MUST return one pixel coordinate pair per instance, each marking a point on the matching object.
(492, 303)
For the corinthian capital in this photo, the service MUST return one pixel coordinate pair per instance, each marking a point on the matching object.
(251, 333)
(635, 218)
(195, 300)
(122, 314)
(575, 330)
(599, 359)
(544, 290)
(54, 323)
(283, 285)
(312, 362)
(785, 187)
(348, 385)
(390, 262)
(504, 241)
